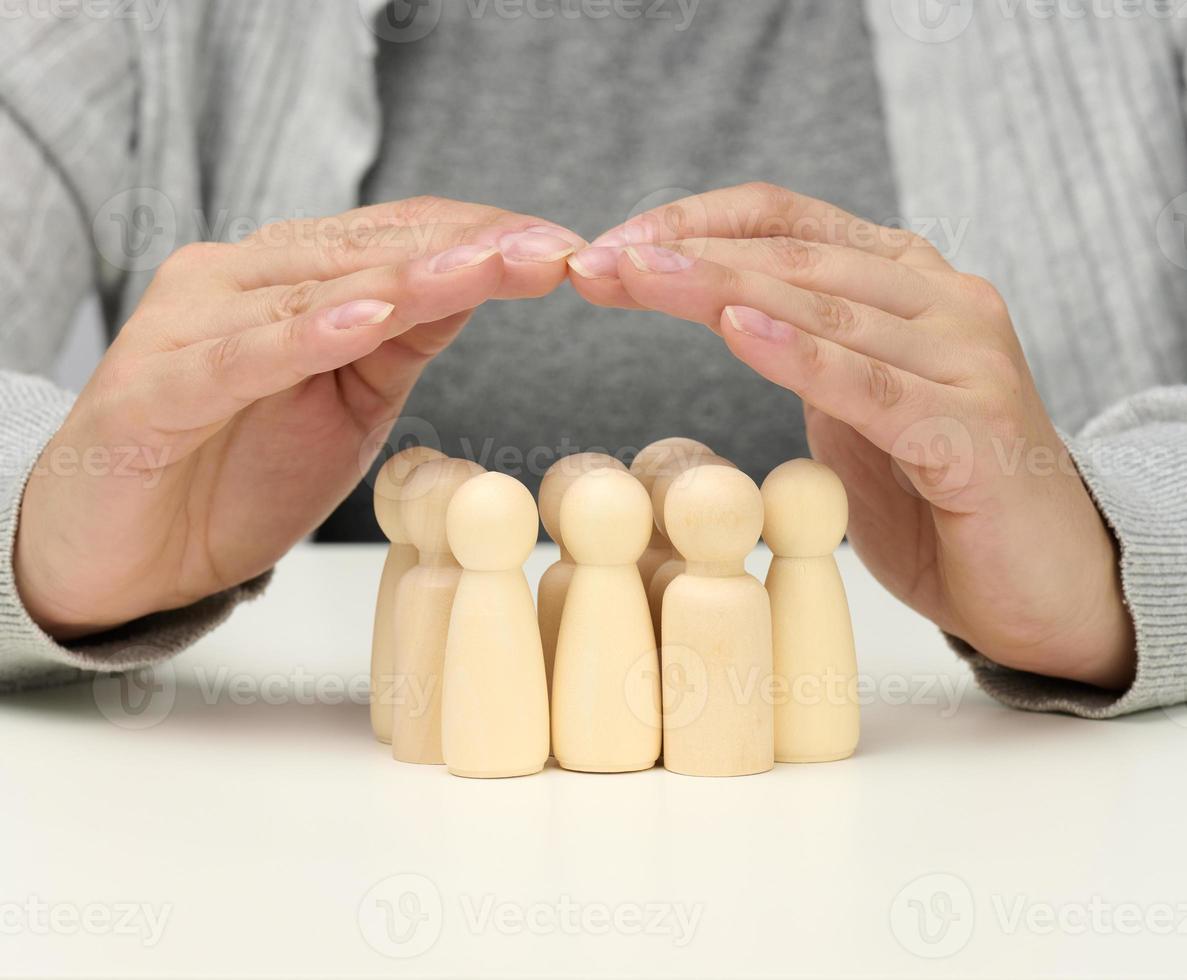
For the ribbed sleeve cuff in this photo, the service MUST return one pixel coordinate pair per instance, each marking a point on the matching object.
(31, 411)
(1133, 459)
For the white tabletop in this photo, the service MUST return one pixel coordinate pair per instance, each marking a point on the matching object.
(242, 822)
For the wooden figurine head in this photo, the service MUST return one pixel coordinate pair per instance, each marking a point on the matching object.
(492, 523)
(806, 509)
(669, 473)
(388, 484)
(713, 514)
(606, 518)
(559, 478)
(675, 451)
(424, 499)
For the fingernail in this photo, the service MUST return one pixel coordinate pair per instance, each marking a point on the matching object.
(632, 234)
(532, 246)
(755, 323)
(656, 258)
(596, 263)
(360, 313)
(563, 233)
(460, 257)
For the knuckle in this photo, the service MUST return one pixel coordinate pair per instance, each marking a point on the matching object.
(218, 357)
(420, 202)
(291, 334)
(834, 315)
(733, 282)
(674, 221)
(884, 385)
(984, 293)
(811, 357)
(295, 300)
(340, 245)
(776, 204)
(766, 190)
(792, 254)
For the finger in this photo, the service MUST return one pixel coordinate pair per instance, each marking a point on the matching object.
(877, 399)
(293, 252)
(416, 289)
(698, 290)
(593, 273)
(223, 374)
(533, 265)
(836, 269)
(760, 210)
(206, 383)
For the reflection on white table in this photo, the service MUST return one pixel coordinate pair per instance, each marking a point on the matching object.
(240, 821)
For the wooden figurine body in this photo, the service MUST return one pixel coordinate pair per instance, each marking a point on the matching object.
(651, 462)
(494, 710)
(666, 574)
(423, 604)
(554, 583)
(817, 716)
(717, 657)
(605, 694)
(401, 557)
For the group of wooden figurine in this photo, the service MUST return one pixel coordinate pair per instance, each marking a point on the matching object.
(650, 635)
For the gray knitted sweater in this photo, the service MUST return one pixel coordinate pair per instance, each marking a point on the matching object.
(1045, 153)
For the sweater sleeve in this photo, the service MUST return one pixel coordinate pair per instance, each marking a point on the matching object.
(1133, 459)
(46, 268)
(31, 410)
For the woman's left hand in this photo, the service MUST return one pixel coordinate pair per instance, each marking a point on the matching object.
(964, 501)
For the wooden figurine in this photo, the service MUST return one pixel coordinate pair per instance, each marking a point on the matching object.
(495, 702)
(718, 718)
(667, 572)
(423, 604)
(817, 716)
(554, 583)
(605, 694)
(401, 556)
(649, 463)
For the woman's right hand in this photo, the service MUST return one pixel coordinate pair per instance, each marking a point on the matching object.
(227, 419)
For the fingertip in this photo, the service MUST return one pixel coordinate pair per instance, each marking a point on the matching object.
(749, 322)
(602, 291)
(772, 348)
(595, 262)
(357, 313)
